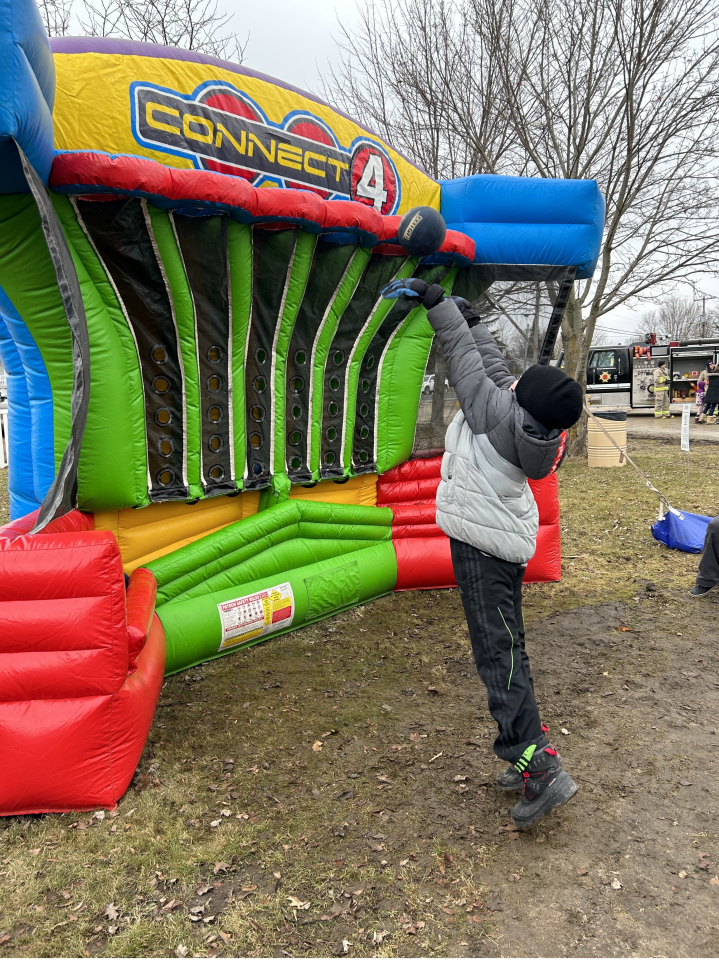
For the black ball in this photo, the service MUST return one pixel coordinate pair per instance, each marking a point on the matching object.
(422, 231)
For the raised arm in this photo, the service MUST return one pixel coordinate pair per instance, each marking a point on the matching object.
(492, 357)
(466, 368)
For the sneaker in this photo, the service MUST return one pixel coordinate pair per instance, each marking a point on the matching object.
(546, 786)
(511, 778)
(697, 591)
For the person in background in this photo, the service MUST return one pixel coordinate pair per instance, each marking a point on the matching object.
(661, 390)
(506, 431)
(711, 397)
(708, 572)
(701, 391)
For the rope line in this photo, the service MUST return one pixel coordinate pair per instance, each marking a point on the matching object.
(623, 455)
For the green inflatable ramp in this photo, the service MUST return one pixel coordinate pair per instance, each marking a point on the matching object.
(282, 568)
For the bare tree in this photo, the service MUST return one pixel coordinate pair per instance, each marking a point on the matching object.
(404, 73)
(191, 24)
(56, 15)
(622, 91)
(679, 318)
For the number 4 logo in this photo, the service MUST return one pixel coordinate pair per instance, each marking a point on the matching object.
(373, 180)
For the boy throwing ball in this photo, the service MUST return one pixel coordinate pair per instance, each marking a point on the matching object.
(507, 430)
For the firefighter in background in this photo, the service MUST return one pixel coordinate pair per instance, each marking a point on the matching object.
(661, 390)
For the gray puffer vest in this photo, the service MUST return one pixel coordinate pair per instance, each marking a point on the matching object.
(492, 446)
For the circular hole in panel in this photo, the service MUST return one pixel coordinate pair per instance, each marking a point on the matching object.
(161, 385)
(331, 434)
(364, 456)
(165, 446)
(364, 433)
(163, 416)
(257, 413)
(214, 354)
(334, 383)
(296, 437)
(296, 411)
(365, 385)
(216, 472)
(261, 355)
(260, 384)
(256, 441)
(165, 477)
(329, 458)
(158, 353)
(297, 384)
(300, 358)
(215, 442)
(364, 409)
(338, 356)
(214, 414)
(333, 408)
(257, 468)
(214, 383)
(369, 362)
(296, 463)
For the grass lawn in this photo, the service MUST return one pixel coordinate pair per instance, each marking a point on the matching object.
(332, 792)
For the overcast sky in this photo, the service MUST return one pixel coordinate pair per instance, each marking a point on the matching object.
(290, 40)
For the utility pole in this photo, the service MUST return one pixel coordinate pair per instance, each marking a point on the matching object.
(704, 317)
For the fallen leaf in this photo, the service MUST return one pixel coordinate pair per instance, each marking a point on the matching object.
(298, 904)
(346, 794)
(111, 912)
(317, 746)
(220, 866)
(277, 875)
(624, 629)
(616, 885)
(606, 673)
(379, 936)
(682, 874)
(714, 881)
(181, 951)
(215, 823)
(205, 888)
(685, 783)
(433, 691)
(383, 778)
(459, 778)
(565, 732)
(169, 906)
(581, 872)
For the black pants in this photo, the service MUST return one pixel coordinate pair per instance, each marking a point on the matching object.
(491, 591)
(708, 573)
(710, 409)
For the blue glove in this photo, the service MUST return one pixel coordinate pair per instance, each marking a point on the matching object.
(429, 296)
(404, 288)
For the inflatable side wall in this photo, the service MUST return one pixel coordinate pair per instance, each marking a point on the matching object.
(208, 394)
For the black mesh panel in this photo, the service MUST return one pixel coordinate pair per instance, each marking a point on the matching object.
(379, 271)
(272, 252)
(328, 268)
(119, 231)
(203, 244)
(364, 431)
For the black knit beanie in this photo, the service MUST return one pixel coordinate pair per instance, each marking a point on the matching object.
(551, 396)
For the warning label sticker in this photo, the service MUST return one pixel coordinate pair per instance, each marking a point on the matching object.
(256, 615)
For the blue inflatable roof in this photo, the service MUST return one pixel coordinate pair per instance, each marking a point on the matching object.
(27, 93)
(528, 220)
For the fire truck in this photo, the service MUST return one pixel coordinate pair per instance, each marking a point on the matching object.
(623, 375)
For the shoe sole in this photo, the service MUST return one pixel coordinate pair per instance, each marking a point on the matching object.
(561, 792)
(506, 788)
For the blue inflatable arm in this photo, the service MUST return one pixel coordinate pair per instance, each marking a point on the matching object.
(528, 221)
(27, 94)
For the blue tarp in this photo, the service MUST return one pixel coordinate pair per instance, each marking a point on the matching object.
(682, 531)
(528, 220)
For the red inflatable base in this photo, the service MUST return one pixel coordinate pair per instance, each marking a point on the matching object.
(423, 554)
(81, 667)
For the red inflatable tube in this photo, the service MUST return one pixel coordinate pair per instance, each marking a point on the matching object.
(73, 722)
(74, 521)
(92, 173)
